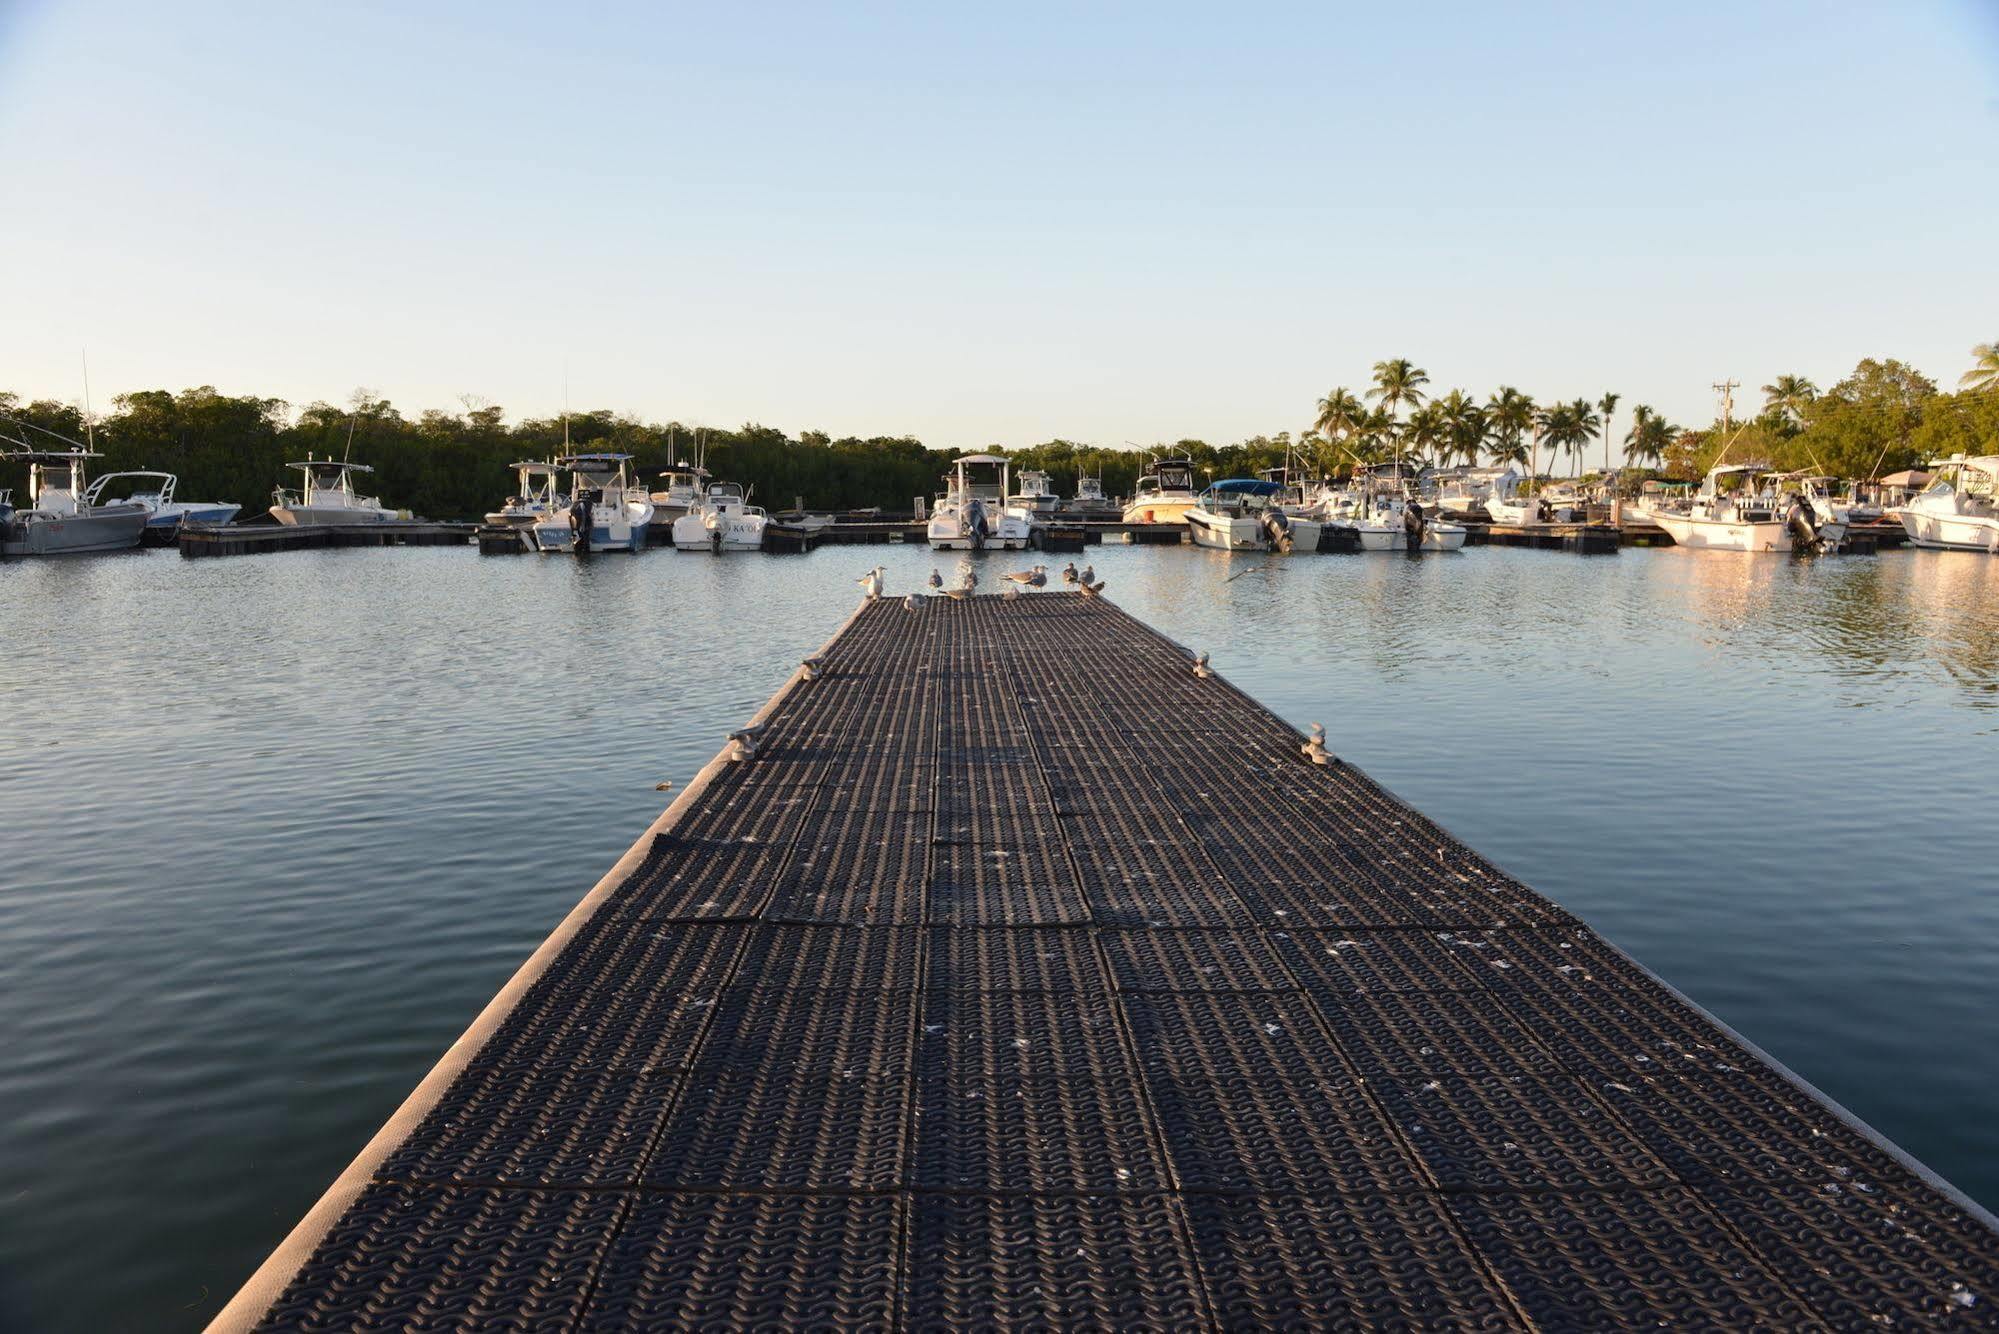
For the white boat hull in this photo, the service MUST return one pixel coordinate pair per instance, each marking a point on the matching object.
(1222, 533)
(1394, 537)
(1774, 535)
(320, 516)
(695, 532)
(1946, 532)
(1158, 511)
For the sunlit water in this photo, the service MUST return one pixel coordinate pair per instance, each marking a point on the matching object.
(273, 829)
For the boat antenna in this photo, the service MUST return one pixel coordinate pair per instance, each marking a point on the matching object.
(565, 407)
(672, 452)
(89, 426)
(347, 455)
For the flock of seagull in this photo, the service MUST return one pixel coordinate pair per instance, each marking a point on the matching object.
(1084, 581)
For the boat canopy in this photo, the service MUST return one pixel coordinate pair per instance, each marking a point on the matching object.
(997, 459)
(590, 460)
(1244, 486)
(331, 465)
(541, 469)
(49, 456)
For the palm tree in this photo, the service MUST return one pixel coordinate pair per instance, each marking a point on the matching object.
(1464, 425)
(1339, 413)
(1397, 382)
(1790, 395)
(1984, 372)
(1550, 424)
(1509, 413)
(1429, 434)
(1584, 424)
(1649, 435)
(1607, 405)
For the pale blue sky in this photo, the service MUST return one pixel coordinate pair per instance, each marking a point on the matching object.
(996, 223)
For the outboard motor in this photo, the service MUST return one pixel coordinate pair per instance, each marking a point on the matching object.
(1277, 527)
(1413, 525)
(1804, 526)
(975, 524)
(583, 518)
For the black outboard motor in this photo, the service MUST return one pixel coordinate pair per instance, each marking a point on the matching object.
(582, 518)
(1413, 525)
(1804, 527)
(1277, 527)
(975, 524)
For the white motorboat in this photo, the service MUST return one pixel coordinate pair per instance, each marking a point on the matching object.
(60, 518)
(722, 520)
(1090, 502)
(1394, 524)
(686, 484)
(155, 490)
(972, 514)
(606, 509)
(1241, 514)
(1506, 504)
(1960, 509)
(1036, 495)
(328, 496)
(1745, 517)
(1163, 495)
(534, 498)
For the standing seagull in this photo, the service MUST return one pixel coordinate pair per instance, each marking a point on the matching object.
(1034, 578)
(871, 583)
(1089, 575)
(936, 580)
(1069, 575)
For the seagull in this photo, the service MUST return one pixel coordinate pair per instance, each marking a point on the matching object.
(1201, 668)
(936, 578)
(913, 602)
(968, 578)
(1069, 575)
(1089, 574)
(1034, 578)
(1315, 746)
(871, 583)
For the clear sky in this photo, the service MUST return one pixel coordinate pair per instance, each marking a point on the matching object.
(991, 223)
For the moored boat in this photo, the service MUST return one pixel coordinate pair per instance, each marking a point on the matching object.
(606, 509)
(1959, 511)
(722, 520)
(1241, 514)
(60, 519)
(534, 498)
(164, 511)
(327, 496)
(973, 515)
(1163, 495)
(1732, 512)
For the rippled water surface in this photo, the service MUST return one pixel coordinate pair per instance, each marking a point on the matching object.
(274, 829)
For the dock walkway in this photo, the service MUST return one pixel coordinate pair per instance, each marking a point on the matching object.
(1025, 976)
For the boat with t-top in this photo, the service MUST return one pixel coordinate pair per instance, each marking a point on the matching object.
(722, 520)
(1242, 514)
(1959, 511)
(60, 518)
(164, 510)
(1734, 511)
(327, 496)
(973, 513)
(534, 498)
(606, 510)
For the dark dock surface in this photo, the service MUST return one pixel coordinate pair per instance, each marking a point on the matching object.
(1024, 975)
(251, 539)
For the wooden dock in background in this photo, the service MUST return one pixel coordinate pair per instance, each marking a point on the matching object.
(250, 539)
(1011, 969)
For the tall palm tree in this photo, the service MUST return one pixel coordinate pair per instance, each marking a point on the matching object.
(1509, 413)
(1339, 413)
(1649, 435)
(1397, 382)
(1607, 405)
(1984, 372)
(1464, 425)
(1583, 426)
(1551, 423)
(1790, 395)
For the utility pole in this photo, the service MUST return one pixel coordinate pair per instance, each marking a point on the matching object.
(1727, 390)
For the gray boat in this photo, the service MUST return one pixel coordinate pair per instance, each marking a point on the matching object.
(58, 520)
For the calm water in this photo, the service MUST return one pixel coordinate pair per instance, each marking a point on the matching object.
(274, 829)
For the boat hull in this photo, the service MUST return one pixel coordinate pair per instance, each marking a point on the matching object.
(1951, 532)
(1221, 533)
(1157, 511)
(1393, 537)
(1729, 535)
(692, 532)
(324, 516)
(73, 534)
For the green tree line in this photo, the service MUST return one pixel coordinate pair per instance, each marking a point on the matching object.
(457, 465)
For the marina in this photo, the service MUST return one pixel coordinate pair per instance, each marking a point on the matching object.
(1090, 1030)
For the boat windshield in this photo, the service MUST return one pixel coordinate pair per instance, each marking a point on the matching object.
(726, 491)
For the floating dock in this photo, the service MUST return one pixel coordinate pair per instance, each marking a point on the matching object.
(1013, 969)
(250, 539)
